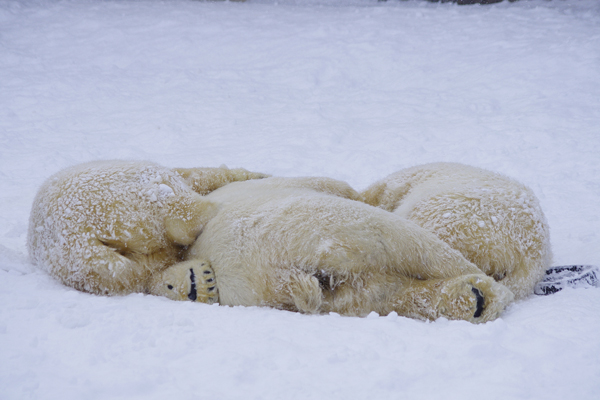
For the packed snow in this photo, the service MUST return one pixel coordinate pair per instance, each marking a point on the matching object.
(350, 89)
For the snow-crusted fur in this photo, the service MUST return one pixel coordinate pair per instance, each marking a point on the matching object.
(494, 221)
(119, 227)
(304, 244)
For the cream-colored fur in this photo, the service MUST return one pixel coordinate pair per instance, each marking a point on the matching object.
(119, 227)
(305, 245)
(494, 221)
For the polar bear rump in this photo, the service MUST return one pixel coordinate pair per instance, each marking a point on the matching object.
(494, 221)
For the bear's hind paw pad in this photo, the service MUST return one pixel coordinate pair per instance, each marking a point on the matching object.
(207, 285)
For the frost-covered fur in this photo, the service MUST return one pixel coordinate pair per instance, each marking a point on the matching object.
(119, 227)
(494, 221)
(305, 245)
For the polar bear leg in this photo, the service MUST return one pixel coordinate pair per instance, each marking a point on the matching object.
(108, 270)
(187, 216)
(474, 298)
(101, 269)
(305, 292)
(205, 180)
(188, 280)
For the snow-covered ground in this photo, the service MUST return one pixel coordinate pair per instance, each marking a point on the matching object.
(351, 89)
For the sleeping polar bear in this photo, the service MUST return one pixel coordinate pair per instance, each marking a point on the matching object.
(301, 244)
(494, 221)
(305, 244)
(120, 227)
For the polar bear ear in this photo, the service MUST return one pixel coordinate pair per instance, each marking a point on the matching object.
(186, 218)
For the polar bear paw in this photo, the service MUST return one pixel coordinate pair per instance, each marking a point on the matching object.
(189, 280)
(474, 298)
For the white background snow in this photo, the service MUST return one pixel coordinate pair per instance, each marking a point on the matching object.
(351, 89)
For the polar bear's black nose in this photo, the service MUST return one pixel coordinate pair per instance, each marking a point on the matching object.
(193, 293)
(480, 301)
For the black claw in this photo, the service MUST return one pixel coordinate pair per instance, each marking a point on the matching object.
(206, 272)
(210, 289)
(480, 301)
(193, 295)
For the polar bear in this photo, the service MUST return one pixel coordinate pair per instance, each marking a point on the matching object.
(494, 221)
(120, 227)
(308, 245)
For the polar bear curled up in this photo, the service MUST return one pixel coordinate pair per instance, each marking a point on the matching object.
(494, 221)
(306, 244)
(299, 244)
(120, 227)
